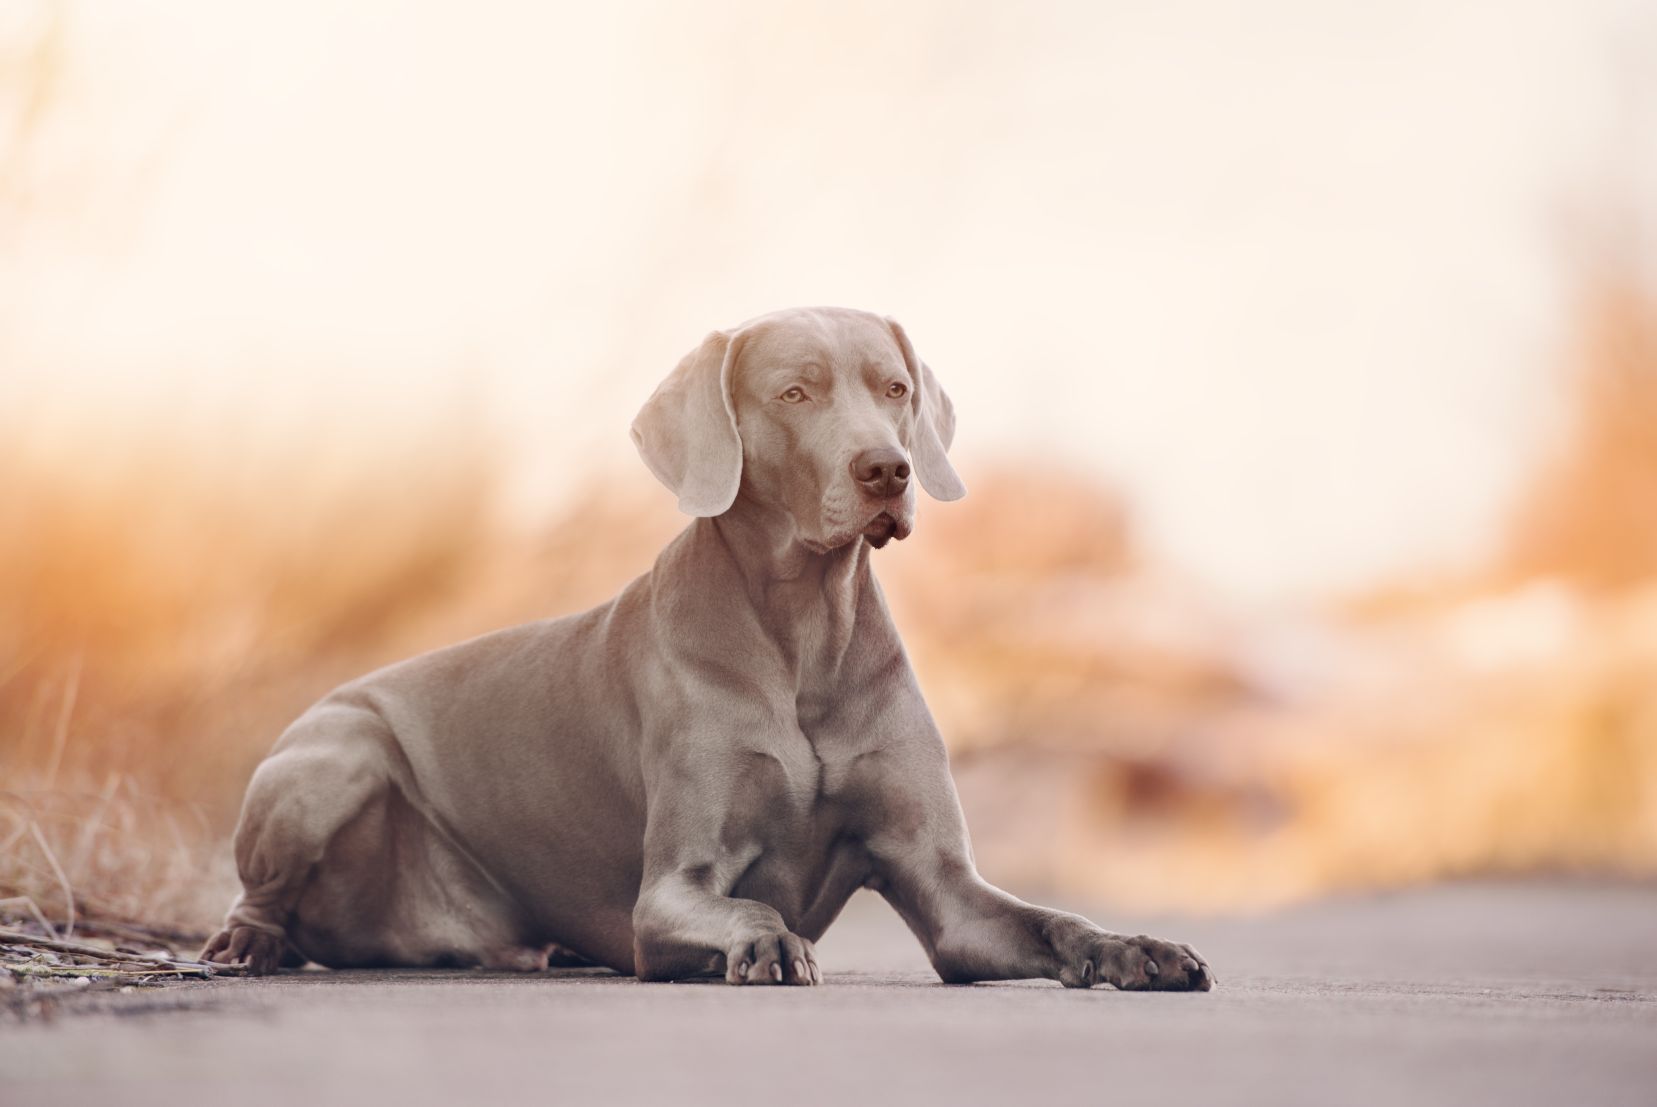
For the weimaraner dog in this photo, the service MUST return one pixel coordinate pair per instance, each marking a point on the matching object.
(696, 776)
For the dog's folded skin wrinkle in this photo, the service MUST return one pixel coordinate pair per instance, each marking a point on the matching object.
(697, 775)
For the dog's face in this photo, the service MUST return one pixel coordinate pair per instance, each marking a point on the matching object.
(824, 413)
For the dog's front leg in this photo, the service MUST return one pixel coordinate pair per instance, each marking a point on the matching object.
(703, 830)
(682, 927)
(973, 930)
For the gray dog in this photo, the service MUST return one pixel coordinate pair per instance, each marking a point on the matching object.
(696, 776)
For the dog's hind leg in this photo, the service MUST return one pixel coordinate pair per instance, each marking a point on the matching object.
(329, 766)
(394, 889)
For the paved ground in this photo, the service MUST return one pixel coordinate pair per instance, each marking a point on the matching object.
(1490, 993)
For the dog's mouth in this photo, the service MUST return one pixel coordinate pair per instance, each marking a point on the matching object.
(883, 528)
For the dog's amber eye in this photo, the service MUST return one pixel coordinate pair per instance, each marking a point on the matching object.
(793, 395)
(898, 389)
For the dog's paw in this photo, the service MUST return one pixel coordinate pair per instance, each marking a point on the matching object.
(1138, 963)
(260, 950)
(772, 958)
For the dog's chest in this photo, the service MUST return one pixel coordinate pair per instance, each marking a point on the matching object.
(797, 822)
(795, 828)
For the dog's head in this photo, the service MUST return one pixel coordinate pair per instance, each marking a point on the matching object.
(825, 413)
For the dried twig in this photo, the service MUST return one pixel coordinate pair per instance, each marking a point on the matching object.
(34, 909)
(21, 827)
(164, 965)
(92, 825)
(63, 881)
(79, 949)
(145, 965)
(90, 925)
(118, 957)
(99, 972)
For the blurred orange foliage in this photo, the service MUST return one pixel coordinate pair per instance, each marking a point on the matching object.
(166, 606)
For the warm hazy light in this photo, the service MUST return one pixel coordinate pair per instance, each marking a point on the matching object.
(1305, 356)
(1298, 290)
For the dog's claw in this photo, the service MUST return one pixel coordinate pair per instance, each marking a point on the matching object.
(772, 958)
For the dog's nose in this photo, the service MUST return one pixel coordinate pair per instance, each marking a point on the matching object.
(883, 472)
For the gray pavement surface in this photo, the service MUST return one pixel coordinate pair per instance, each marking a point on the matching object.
(1528, 993)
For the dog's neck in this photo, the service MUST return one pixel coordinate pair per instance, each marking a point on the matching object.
(808, 600)
(769, 552)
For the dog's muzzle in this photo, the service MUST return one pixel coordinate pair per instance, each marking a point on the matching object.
(883, 528)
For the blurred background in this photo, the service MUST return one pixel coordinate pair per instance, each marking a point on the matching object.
(1305, 356)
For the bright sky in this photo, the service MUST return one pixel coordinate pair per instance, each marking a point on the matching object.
(1293, 273)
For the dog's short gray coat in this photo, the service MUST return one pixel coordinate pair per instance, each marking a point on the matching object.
(695, 776)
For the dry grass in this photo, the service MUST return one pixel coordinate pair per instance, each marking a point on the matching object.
(164, 606)
(167, 607)
(76, 849)
(160, 599)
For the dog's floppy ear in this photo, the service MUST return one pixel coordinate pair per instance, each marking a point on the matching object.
(686, 432)
(934, 425)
